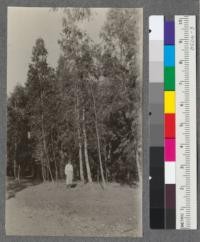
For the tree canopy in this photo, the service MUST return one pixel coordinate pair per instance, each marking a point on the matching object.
(86, 110)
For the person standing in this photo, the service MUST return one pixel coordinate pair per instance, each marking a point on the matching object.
(69, 174)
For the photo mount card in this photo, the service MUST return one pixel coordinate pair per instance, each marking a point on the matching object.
(164, 213)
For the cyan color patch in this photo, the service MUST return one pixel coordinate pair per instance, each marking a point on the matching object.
(169, 55)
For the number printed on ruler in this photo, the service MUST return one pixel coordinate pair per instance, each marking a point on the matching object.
(186, 160)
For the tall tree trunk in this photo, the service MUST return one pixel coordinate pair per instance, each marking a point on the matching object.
(15, 149)
(18, 173)
(81, 161)
(106, 160)
(109, 160)
(61, 163)
(86, 150)
(43, 167)
(45, 150)
(139, 147)
(138, 153)
(97, 174)
(43, 175)
(15, 162)
(97, 135)
(54, 158)
(44, 137)
(79, 136)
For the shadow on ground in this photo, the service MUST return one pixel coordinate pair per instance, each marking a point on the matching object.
(13, 186)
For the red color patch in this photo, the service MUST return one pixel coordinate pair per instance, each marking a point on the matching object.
(170, 126)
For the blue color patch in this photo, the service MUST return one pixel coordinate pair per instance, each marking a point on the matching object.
(169, 55)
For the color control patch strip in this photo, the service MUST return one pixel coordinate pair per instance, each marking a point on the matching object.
(172, 106)
(169, 125)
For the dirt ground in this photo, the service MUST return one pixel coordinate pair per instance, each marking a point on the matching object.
(86, 210)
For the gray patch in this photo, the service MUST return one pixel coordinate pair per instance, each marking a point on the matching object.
(156, 71)
(156, 135)
(156, 93)
(156, 53)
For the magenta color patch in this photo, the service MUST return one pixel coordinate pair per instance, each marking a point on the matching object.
(170, 154)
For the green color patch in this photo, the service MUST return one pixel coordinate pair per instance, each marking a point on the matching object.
(169, 78)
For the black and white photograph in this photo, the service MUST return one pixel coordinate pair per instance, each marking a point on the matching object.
(74, 122)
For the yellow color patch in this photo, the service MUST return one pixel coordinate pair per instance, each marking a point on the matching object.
(169, 102)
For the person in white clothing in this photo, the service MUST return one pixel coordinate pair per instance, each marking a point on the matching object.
(69, 174)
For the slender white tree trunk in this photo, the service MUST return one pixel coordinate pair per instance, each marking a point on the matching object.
(44, 137)
(86, 150)
(98, 138)
(79, 136)
(54, 158)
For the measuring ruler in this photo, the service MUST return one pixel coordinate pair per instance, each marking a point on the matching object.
(172, 116)
(186, 150)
